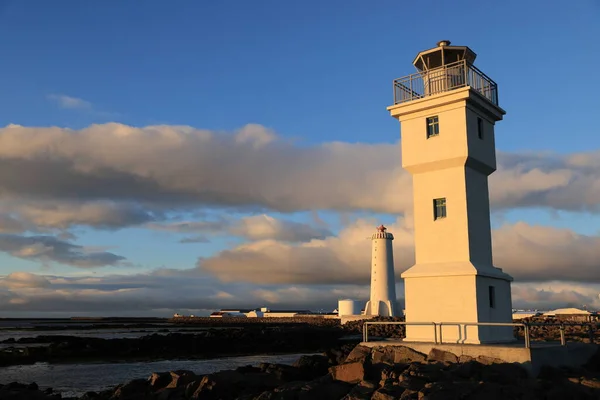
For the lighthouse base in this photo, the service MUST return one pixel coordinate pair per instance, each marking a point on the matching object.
(383, 308)
(459, 296)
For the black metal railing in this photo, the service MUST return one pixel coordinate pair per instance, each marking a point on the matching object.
(443, 79)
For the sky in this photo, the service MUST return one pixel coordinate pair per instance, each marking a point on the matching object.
(160, 157)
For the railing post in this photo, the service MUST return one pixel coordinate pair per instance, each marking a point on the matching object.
(435, 339)
(591, 333)
(563, 342)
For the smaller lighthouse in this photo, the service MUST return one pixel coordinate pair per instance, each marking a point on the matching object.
(383, 284)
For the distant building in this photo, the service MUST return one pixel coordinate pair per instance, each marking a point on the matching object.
(570, 314)
(223, 314)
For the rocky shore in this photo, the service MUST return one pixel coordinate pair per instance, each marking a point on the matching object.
(354, 374)
(209, 343)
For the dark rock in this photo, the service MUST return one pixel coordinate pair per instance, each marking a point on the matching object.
(312, 367)
(181, 378)
(383, 355)
(507, 374)
(247, 369)
(32, 386)
(487, 391)
(191, 388)
(409, 394)
(283, 372)
(447, 390)
(464, 358)
(321, 388)
(388, 392)
(468, 370)
(359, 353)
(230, 384)
(159, 380)
(363, 391)
(442, 356)
(485, 360)
(393, 371)
(90, 396)
(133, 390)
(403, 354)
(353, 372)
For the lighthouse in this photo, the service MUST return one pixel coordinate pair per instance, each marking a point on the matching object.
(383, 285)
(447, 113)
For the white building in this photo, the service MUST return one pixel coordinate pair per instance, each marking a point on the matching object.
(348, 307)
(383, 285)
(447, 112)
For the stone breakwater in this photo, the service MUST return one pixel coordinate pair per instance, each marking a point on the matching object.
(210, 343)
(207, 321)
(363, 373)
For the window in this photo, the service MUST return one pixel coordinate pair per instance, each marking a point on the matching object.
(479, 128)
(492, 296)
(433, 127)
(439, 208)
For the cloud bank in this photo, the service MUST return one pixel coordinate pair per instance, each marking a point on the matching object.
(113, 176)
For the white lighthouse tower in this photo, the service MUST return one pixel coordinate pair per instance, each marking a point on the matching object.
(383, 284)
(447, 112)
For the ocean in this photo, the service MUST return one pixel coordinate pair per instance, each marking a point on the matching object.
(76, 379)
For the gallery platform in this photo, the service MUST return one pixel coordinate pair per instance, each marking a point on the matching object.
(539, 354)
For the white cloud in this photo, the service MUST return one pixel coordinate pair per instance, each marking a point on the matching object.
(46, 249)
(24, 280)
(528, 252)
(254, 168)
(70, 102)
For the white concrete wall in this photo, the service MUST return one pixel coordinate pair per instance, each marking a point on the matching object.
(453, 270)
(285, 315)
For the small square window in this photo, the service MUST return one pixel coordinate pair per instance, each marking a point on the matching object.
(479, 128)
(439, 208)
(433, 127)
(492, 296)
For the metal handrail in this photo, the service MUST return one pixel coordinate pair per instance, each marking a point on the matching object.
(441, 324)
(561, 327)
(525, 325)
(367, 323)
(443, 79)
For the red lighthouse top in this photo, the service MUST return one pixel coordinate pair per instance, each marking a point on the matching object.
(381, 228)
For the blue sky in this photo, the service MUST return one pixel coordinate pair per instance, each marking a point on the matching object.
(309, 72)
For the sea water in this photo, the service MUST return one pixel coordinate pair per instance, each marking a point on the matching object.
(76, 379)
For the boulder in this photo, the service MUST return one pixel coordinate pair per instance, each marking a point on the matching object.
(447, 390)
(388, 392)
(442, 356)
(159, 380)
(363, 391)
(591, 383)
(359, 353)
(383, 355)
(506, 373)
(485, 360)
(285, 373)
(403, 354)
(311, 367)
(230, 384)
(133, 390)
(352, 372)
(469, 370)
(181, 378)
